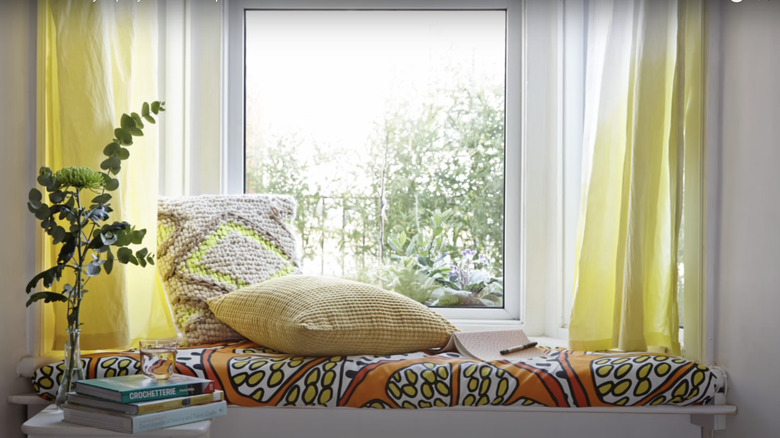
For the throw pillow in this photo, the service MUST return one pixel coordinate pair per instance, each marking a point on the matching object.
(324, 316)
(214, 244)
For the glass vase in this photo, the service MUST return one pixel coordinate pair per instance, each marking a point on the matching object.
(73, 369)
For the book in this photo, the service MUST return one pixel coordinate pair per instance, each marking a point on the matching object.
(487, 345)
(126, 423)
(138, 387)
(146, 407)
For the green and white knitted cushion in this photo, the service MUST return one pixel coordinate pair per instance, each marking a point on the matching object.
(211, 245)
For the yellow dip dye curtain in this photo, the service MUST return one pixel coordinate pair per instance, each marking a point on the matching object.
(636, 115)
(99, 60)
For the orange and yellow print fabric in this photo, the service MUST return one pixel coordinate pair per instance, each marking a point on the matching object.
(252, 375)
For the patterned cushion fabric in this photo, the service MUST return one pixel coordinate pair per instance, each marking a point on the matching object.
(214, 244)
(318, 316)
(252, 375)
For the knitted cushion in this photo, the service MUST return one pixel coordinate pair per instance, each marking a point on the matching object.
(214, 244)
(323, 316)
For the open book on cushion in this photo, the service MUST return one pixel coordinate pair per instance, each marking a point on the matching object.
(488, 345)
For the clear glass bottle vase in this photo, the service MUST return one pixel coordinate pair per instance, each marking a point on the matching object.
(73, 369)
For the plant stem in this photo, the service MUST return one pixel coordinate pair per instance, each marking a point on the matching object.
(76, 296)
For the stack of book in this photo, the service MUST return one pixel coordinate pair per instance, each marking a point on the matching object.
(137, 403)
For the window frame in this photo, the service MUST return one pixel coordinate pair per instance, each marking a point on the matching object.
(534, 291)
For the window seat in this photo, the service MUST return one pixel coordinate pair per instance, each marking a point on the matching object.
(439, 385)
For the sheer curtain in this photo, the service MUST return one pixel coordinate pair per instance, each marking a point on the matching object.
(634, 139)
(99, 61)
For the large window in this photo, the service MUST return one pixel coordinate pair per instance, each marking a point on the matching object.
(387, 126)
(390, 124)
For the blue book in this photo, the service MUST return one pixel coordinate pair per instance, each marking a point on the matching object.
(126, 423)
(138, 387)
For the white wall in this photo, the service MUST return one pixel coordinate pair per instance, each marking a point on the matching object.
(748, 279)
(17, 124)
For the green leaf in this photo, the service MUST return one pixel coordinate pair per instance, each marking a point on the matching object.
(35, 196)
(123, 154)
(112, 184)
(48, 276)
(43, 212)
(48, 223)
(34, 209)
(46, 177)
(67, 251)
(96, 244)
(138, 122)
(101, 199)
(58, 234)
(109, 263)
(155, 107)
(142, 253)
(138, 236)
(127, 122)
(47, 297)
(111, 149)
(57, 196)
(65, 212)
(149, 119)
(110, 163)
(135, 132)
(124, 254)
(145, 109)
(115, 227)
(124, 136)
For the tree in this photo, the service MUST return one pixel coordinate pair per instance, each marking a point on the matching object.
(444, 152)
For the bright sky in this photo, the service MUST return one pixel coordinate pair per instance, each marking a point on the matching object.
(327, 75)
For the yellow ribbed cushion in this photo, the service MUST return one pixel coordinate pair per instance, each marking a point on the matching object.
(325, 316)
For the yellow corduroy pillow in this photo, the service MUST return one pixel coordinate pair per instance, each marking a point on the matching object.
(325, 316)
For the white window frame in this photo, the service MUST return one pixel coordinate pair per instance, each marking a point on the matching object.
(533, 271)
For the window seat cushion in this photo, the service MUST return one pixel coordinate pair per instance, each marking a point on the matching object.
(252, 375)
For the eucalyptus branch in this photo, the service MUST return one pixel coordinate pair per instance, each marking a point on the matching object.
(86, 240)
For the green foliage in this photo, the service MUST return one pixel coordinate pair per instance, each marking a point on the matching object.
(441, 152)
(418, 266)
(80, 224)
(472, 282)
(447, 154)
(422, 269)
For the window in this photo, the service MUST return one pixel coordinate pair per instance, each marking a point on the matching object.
(388, 128)
(534, 210)
(450, 24)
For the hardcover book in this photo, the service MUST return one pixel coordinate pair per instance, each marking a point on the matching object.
(138, 387)
(147, 407)
(125, 423)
